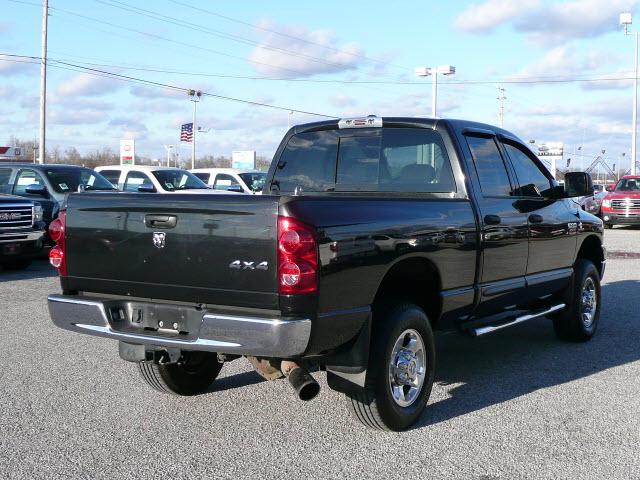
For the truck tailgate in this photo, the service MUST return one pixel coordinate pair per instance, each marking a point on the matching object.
(213, 249)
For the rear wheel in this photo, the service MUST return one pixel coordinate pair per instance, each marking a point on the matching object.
(16, 264)
(608, 225)
(401, 369)
(193, 374)
(579, 320)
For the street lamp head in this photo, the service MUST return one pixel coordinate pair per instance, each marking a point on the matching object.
(626, 19)
(446, 69)
(423, 71)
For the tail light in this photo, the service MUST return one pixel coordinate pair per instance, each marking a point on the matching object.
(297, 258)
(57, 232)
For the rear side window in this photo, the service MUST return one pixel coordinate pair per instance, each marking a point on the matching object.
(531, 179)
(492, 172)
(203, 176)
(112, 175)
(309, 162)
(5, 176)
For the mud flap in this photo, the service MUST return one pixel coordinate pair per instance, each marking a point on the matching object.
(347, 370)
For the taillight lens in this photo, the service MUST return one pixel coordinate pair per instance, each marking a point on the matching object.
(297, 258)
(57, 256)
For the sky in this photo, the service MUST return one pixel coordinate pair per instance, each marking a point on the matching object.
(330, 58)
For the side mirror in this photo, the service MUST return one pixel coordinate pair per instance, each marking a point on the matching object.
(147, 188)
(235, 188)
(609, 188)
(578, 184)
(37, 189)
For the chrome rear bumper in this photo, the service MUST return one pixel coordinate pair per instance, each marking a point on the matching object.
(196, 329)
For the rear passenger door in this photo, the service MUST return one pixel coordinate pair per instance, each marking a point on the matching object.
(552, 222)
(504, 229)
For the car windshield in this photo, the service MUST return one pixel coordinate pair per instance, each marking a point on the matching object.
(65, 180)
(254, 180)
(628, 185)
(178, 180)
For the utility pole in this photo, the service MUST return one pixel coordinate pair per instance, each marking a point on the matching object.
(501, 98)
(43, 81)
(626, 21)
(428, 71)
(195, 95)
(169, 149)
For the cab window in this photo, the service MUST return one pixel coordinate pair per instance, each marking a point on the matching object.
(203, 176)
(26, 178)
(491, 169)
(5, 176)
(134, 180)
(532, 181)
(224, 181)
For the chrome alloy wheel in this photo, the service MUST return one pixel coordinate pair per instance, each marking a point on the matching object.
(407, 368)
(589, 302)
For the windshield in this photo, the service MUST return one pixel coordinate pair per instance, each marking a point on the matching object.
(65, 180)
(254, 180)
(178, 180)
(628, 185)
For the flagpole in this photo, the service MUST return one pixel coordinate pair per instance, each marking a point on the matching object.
(195, 97)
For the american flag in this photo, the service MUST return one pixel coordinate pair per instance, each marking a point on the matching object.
(186, 132)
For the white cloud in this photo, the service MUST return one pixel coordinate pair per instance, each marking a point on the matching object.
(156, 92)
(342, 101)
(487, 16)
(575, 19)
(10, 67)
(304, 53)
(87, 85)
(547, 23)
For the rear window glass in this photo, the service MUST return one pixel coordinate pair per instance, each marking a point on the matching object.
(308, 162)
(392, 159)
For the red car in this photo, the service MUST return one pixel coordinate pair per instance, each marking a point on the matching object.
(622, 204)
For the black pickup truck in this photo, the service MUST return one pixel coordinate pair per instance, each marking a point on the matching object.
(371, 234)
(21, 232)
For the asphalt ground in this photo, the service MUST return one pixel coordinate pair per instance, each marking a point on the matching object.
(514, 404)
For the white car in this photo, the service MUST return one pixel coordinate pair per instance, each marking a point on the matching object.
(144, 178)
(232, 179)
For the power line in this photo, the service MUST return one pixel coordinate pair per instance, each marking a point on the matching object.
(199, 28)
(98, 72)
(286, 35)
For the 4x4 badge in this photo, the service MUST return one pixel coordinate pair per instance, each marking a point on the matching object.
(159, 239)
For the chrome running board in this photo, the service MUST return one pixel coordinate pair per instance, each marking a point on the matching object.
(492, 328)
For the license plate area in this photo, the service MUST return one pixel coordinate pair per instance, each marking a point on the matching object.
(155, 319)
(11, 249)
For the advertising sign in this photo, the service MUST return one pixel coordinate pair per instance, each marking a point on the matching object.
(244, 159)
(10, 153)
(551, 153)
(127, 151)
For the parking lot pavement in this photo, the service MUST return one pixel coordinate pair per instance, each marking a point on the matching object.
(516, 404)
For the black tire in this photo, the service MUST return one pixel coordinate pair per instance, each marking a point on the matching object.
(193, 375)
(17, 264)
(375, 406)
(578, 322)
(608, 225)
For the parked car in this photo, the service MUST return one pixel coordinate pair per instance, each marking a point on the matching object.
(47, 184)
(621, 204)
(150, 179)
(231, 179)
(374, 233)
(21, 231)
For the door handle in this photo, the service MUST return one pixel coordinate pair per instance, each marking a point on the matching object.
(535, 218)
(160, 221)
(492, 219)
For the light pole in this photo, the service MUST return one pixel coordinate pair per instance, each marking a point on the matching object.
(195, 95)
(434, 71)
(169, 149)
(43, 81)
(625, 21)
(289, 115)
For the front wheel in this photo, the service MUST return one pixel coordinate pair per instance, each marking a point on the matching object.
(401, 369)
(579, 320)
(193, 374)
